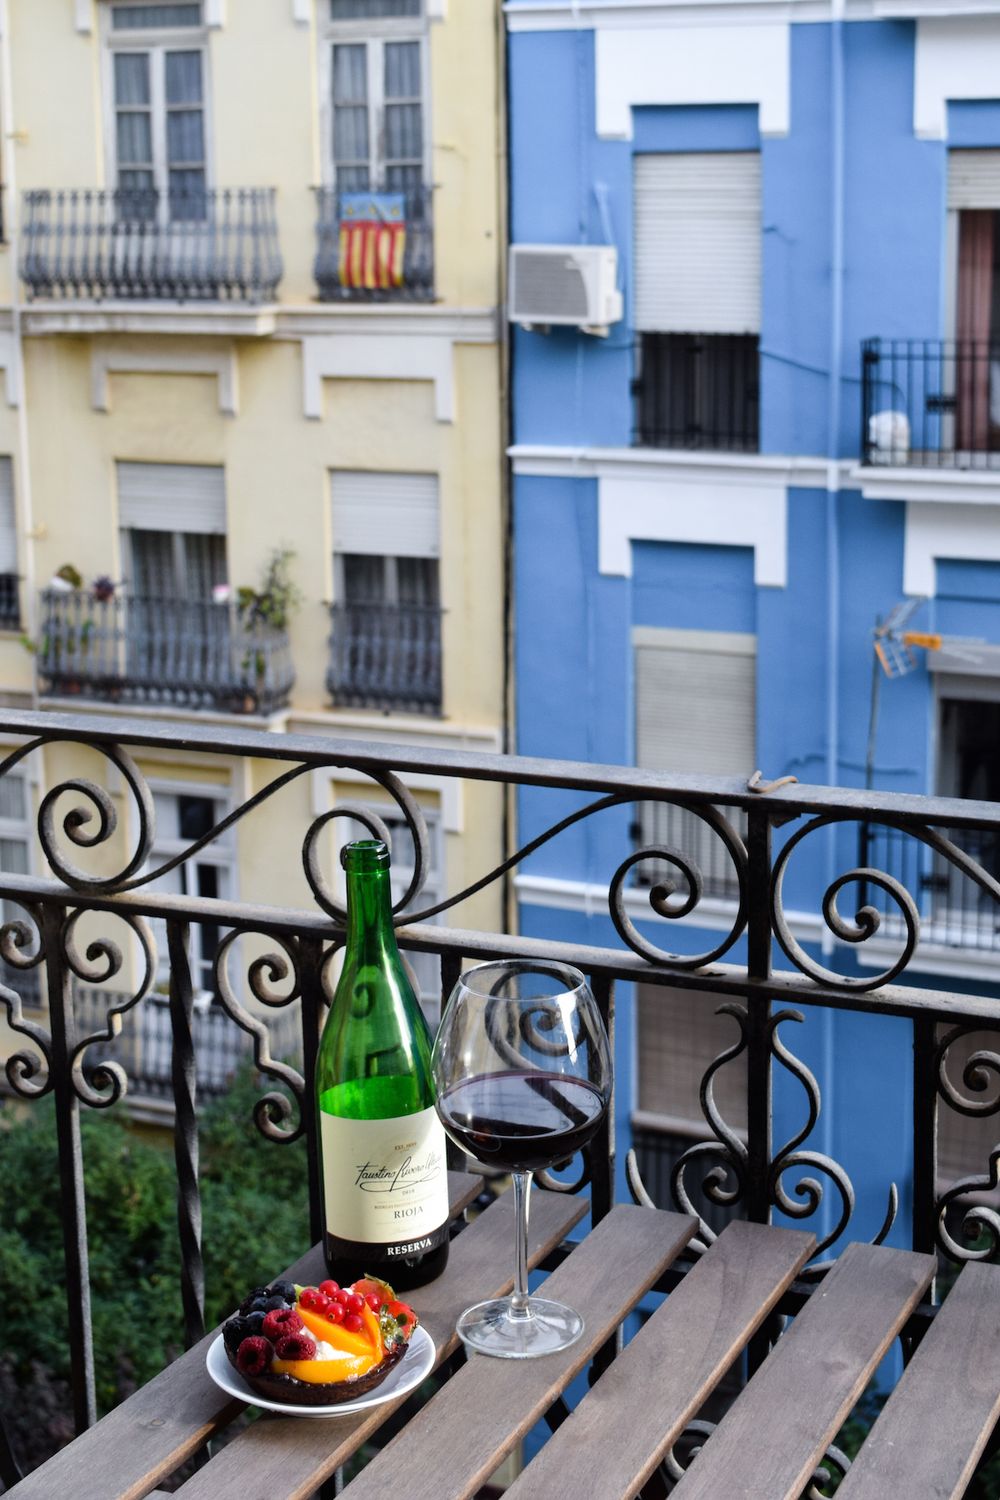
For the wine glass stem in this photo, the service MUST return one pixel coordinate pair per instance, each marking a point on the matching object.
(519, 1306)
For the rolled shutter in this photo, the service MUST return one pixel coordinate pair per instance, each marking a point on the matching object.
(385, 515)
(695, 701)
(172, 497)
(974, 179)
(679, 1035)
(697, 242)
(8, 524)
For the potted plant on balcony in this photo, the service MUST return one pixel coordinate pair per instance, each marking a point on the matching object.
(264, 612)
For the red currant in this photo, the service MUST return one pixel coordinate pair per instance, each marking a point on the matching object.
(375, 1301)
(355, 1302)
(329, 1287)
(352, 1322)
(341, 1297)
(309, 1298)
(336, 1313)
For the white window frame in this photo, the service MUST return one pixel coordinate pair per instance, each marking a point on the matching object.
(22, 831)
(224, 855)
(157, 41)
(374, 32)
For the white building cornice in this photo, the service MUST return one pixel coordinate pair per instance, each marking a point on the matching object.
(463, 325)
(679, 465)
(218, 319)
(576, 15)
(930, 486)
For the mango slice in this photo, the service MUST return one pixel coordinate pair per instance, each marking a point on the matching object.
(366, 1342)
(326, 1371)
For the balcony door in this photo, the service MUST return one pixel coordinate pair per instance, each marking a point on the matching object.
(157, 91)
(974, 201)
(377, 91)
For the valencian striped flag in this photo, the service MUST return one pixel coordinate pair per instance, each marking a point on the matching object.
(372, 240)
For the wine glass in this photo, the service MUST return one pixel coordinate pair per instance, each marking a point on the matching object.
(522, 1069)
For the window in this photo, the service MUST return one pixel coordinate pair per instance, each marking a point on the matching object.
(695, 694)
(386, 642)
(377, 60)
(15, 836)
(974, 386)
(10, 609)
(157, 90)
(697, 299)
(173, 520)
(181, 818)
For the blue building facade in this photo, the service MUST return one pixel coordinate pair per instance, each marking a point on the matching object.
(794, 427)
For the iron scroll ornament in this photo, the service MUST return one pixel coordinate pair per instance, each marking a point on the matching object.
(980, 1222)
(29, 1075)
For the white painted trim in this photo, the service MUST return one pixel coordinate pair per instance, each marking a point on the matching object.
(545, 461)
(464, 325)
(576, 15)
(223, 318)
(301, 12)
(954, 486)
(398, 729)
(9, 365)
(84, 16)
(378, 357)
(968, 532)
(654, 510)
(953, 59)
(436, 10)
(215, 14)
(693, 65)
(105, 362)
(448, 790)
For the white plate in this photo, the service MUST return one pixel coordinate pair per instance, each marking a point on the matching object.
(416, 1363)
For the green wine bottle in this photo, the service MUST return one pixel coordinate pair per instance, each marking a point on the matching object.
(382, 1145)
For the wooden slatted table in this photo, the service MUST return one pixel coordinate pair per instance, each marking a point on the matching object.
(924, 1445)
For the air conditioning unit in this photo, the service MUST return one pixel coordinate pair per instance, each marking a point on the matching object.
(572, 284)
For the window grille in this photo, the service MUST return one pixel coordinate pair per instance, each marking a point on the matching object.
(154, 17)
(372, 10)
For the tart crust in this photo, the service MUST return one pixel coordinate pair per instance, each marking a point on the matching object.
(295, 1392)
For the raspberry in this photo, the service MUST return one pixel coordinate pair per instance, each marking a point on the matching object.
(280, 1321)
(296, 1346)
(253, 1356)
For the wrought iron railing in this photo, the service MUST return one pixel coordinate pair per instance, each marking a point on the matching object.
(385, 656)
(931, 403)
(350, 268)
(698, 390)
(96, 242)
(144, 649)
(88, 922)
(954, 911)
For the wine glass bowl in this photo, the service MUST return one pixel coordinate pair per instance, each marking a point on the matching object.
(522, 1070)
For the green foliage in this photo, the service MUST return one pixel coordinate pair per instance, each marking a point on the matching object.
(278, 597)
(255, 1222)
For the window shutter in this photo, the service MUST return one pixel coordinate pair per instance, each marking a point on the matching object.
(8, 526)
(697, 242)
(695, 697)
(974, 179)
(385, 515)
(172, 497)
(679, 1035)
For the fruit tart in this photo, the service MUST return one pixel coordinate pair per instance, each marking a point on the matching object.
(318, 1345)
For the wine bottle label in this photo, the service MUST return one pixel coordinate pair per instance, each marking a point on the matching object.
(384, 1181)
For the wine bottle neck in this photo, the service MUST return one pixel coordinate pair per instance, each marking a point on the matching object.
(369, 910)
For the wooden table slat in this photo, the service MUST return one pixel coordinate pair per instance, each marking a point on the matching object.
(452, 1445)
(950, 1389)
(290, 1456)
(769, 1442)
(675, 1361)
(148, 1436)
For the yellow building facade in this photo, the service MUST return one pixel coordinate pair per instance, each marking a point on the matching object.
(249, 294)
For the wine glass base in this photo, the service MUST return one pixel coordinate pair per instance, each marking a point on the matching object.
(544, 1328)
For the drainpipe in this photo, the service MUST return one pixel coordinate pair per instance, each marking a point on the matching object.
(826, 1143)
(22, 478)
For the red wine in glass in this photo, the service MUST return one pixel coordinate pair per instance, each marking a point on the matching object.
(521, 1121)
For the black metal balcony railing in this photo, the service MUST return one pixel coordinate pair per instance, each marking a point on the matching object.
(931, 403)
(95, 242)
(339, 278)
(10, 607)
(698, 390)
(386, 656)
(954, 911)
(132, 649)
(751, 1168)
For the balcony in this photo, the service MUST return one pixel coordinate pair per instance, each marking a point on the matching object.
(95, 243)
(752, 965)
(931, 404)
(144, 650)
(697, 391)
(385, 656)
(372, 259)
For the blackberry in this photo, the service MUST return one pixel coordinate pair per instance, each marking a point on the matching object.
(235, 1331)
(251, 1297)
